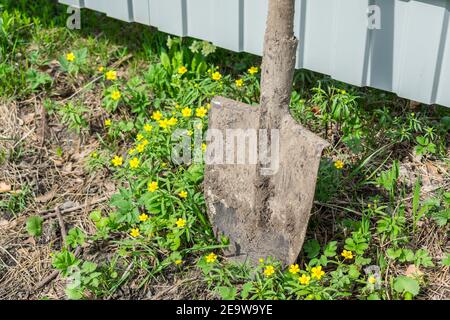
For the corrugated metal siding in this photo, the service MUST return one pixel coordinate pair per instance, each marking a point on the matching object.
(410, 55)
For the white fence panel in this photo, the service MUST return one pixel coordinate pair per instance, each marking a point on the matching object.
(409, 55)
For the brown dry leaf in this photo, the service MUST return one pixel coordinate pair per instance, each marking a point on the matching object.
(29, 118)
(46, 197)
(412, 271)
(110, 187)
(4, 187)
(30, 240)
(58, 162)
(4, 223)
(433, 171)
(68, 168)
(413, 105)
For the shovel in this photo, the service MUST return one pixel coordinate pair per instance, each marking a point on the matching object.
(261, 165)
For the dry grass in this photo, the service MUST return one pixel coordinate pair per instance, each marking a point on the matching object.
(31, 140)
(54, 181)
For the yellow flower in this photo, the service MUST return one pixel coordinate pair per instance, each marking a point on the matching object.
(163, 123)
(208, 106)
(140, 147)
(178, 262)
(101, 69)
(261, 260)
(148, 128)
(317, 272)
(186, 112)
(143, 217)
(70, 57)
(183, 194)
(253, 70)
(135, 232)
(139, 137)
(157, 116)
(182, 70)
(372, 280)
(116, 95)
(144, 142)
(203, 147)
(211, 258)
(216, 76)
(117, 161)
(111, 75)
(304, 279)
(339, 164)
(190, 133)
(294, 269)
(239, 83)
(201, 112)
(172, 121)
(131, 151)
(152, 186)
(134, 163)
(269, 270)
(347, 254)
(181, 223)
(163, 165)
(107, 122)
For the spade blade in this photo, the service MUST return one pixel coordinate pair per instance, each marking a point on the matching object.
(231, 186)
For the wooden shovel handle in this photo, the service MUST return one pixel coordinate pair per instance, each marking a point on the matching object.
(280, 47)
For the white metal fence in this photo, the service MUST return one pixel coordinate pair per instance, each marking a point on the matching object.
(409, 55)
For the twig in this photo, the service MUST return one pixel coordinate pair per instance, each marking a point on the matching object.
(46, 280)
(23, 138)
(61, 224)
(51, 213)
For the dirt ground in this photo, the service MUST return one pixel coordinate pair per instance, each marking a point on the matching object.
(51, 161)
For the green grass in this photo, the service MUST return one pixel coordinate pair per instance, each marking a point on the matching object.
(368, 220)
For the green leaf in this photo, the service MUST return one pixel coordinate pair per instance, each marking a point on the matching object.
(323, 260)
(95, 216)
(165, 61)
(422, 258)
(64, 260)
(405, 284)
(34, 226)
(445, 121)
(246, 289)
(75, 237)
(74, 293)
(361, 261)
(393, 253)
(442, 217)
(407, 255)
(353, 272)
(227, 293)
(373, 296)
(88, 267)
(312, 248)
(446, 261)
(330, 249)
